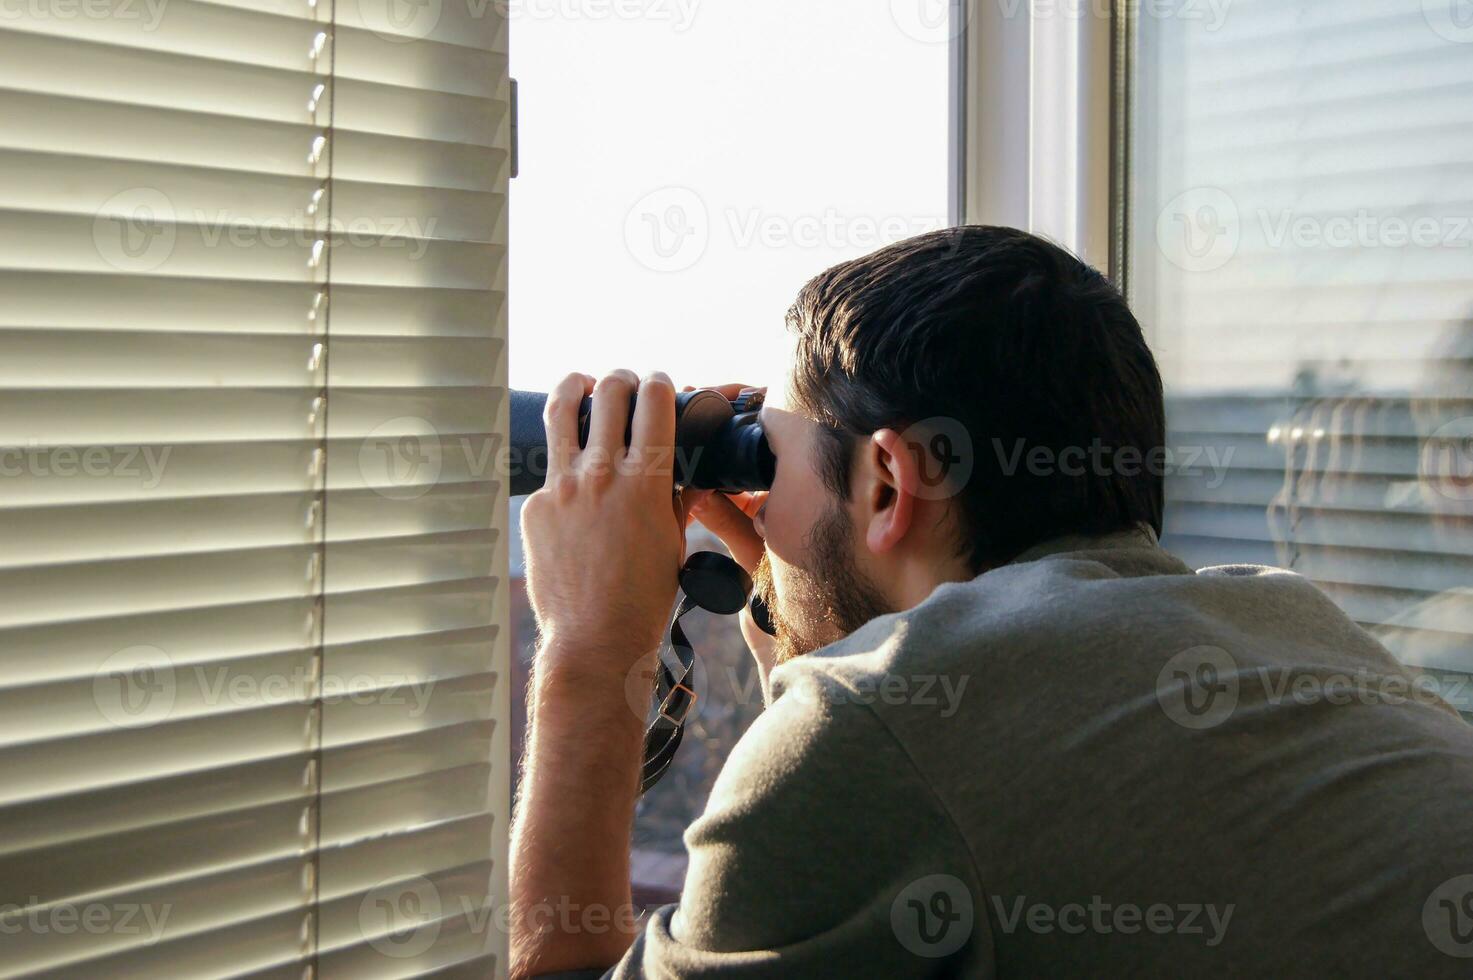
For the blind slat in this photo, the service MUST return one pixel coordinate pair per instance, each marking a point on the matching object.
(252, 553)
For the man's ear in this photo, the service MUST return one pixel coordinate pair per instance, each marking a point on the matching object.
(894, 478)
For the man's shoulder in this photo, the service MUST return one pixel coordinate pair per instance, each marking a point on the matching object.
(1071, 632)
(1026, 605)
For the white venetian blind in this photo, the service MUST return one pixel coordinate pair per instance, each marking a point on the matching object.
(252, 555)
(1301, 245)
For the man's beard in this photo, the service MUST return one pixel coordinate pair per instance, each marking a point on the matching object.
(823, 603)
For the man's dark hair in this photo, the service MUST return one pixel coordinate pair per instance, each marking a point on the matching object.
(1025, 346)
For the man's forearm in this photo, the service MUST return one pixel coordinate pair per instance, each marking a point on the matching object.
(570, 867)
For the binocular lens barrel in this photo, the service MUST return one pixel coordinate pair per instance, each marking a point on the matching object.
(719, 444)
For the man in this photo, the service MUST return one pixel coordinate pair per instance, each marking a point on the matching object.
(1007, 734)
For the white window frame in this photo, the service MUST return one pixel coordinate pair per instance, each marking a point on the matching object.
(1036, 103)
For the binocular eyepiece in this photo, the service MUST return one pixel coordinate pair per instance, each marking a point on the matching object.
(719, 443)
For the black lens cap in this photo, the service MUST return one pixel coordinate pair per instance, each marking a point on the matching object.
(715, 582)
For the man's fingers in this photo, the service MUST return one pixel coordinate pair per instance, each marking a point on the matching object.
(560, 419)
(610, 414)
(653, 433)
(691, 500)
(725, 520)
(749, 503)
(763, 647)
(729, 391)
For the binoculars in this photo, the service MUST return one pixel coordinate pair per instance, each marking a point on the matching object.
(719, 442)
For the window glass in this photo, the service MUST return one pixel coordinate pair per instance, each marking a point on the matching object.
(1300, 235)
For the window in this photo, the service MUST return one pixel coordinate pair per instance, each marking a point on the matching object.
(252, 552)
(685, 168)
(1299, 230)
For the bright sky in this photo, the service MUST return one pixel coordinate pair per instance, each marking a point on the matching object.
(686, 165)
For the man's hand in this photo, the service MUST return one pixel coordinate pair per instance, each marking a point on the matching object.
(604, 544)
(604, 539)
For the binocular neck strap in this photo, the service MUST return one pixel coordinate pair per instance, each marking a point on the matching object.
(675, 697)
(709, 581)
